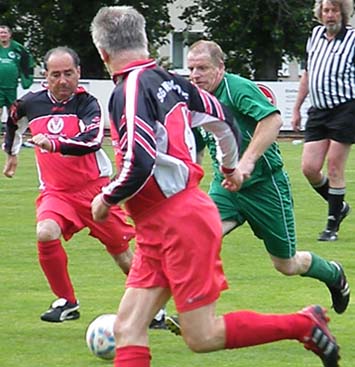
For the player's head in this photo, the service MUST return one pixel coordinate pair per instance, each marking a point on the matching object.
(333, 13)
(205, 60)
(62, 71)
(118, 31)
(5, 34)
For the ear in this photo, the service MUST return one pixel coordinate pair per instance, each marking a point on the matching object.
(104, 55)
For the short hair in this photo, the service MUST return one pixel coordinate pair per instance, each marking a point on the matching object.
(119, 28)
(212, 48)
(7, 28)
(61, 50)
(346, 8)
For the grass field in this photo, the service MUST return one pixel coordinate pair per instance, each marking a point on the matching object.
(28, 342)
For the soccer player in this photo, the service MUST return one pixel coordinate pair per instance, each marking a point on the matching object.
(178, 227)
(67, 128)
(16, 63)
(264, 200)
(330, 129)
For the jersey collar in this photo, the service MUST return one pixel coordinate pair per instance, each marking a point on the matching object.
(137, 64)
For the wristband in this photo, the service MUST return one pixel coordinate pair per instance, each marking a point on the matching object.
(227, 171)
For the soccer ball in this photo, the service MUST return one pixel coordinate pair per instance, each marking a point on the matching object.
(100, 338)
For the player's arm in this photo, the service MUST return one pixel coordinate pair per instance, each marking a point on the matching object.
(266, 133)
(16, 125)
(301, 96)
(91, 123)
(133, 131)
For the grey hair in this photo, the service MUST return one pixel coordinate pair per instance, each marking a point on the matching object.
(119, 28)
(210, 47)
(346, 8)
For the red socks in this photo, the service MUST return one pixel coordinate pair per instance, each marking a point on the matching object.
(132, 356)
(243, 329)
(247, 328)
(54, 261)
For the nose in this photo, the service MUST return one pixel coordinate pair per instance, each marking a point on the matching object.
(193, 73)
(62, 79)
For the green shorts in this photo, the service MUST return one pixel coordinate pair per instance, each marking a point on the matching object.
(7, 96)
(268, 208)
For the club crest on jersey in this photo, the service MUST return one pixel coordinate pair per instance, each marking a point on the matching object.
(11, 55)
(55, 125)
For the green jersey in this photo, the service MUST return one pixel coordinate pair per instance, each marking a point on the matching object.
(249, 106)
(15, 63)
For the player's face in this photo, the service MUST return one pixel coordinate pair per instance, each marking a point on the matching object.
(331, 17)
(4, 35)
(62, 75)
(203, 71)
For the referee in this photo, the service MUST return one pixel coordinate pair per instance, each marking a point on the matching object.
(329, 78)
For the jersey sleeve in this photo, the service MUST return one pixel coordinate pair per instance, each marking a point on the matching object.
(217, 119)
(250, 101)
(91, 123)
(16, 125)
(133, 129)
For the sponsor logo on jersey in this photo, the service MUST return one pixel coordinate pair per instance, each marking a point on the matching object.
(55, 125)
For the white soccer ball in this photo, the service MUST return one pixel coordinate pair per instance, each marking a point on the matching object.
(100, 338)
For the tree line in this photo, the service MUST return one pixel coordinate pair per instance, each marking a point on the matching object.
(256, 35)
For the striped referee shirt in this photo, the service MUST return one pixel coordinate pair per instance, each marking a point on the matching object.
(331, 67)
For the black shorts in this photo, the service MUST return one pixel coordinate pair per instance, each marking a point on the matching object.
(337, 124)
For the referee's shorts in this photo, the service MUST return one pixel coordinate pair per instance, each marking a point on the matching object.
(336, 123)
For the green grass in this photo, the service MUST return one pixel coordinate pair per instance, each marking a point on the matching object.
(28, 342)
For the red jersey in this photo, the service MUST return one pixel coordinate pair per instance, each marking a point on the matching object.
(75, 128)
(152, 114)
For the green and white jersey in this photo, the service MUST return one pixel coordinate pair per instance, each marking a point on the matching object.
(9, 66)
(249, 106)
(15, 62)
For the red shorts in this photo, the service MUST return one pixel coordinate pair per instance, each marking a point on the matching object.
(72, 212)
(178, 247)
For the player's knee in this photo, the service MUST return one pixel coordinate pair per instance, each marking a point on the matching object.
(284, 268)
(44, 235)
(197, 343)
(310, 171)
(127, 332)
(124, 260)
(47, 231)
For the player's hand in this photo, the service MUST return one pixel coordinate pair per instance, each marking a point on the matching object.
(99, 209)
(296, 120)
(233, 181)
(246, 168)
(10, 166)
(42, 141)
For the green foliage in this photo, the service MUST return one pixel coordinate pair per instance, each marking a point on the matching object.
(255, 35)
(254, 284)
(47, 24)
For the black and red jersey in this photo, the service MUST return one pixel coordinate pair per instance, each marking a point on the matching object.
(75, 128)
(152, 113)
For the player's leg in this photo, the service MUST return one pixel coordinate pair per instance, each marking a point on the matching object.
(114, 233)
(137, 308)
(55, 219)
(338, 209)
(231, 218)
(3, 100)
(226, 203)
(54, 263)
(203, 331)
(313, 157)
(268, 207)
